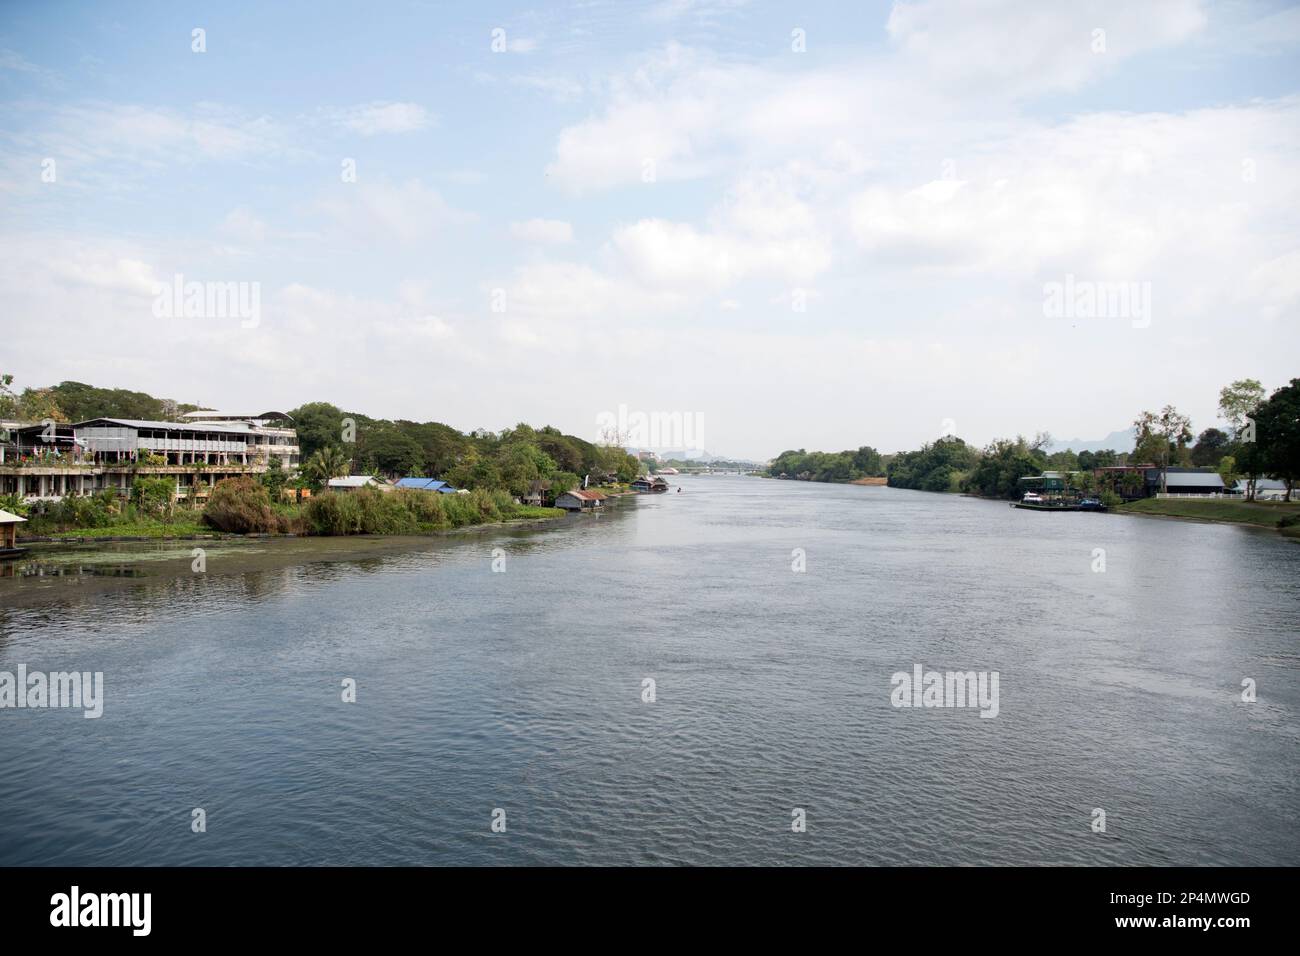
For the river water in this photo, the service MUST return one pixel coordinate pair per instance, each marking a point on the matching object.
(524, 691)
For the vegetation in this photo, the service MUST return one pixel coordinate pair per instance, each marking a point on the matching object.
(105, 514)
(243, 506)
(939, 466)
(802, 465)
(409, 511)
(1263, 514)
(77, 402)
(510, 460)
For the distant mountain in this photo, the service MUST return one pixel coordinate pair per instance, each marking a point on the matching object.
(1116, 441)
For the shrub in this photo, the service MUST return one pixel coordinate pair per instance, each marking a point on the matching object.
(155, 497)
(403, 511)
(241, 506)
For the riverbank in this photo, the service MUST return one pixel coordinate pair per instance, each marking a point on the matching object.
(194, 529)
(1284, 517)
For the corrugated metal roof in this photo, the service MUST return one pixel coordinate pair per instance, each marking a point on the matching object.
(352, 481)
(138, 423)
(425, 484)
(1193, 479)
(210, 415)
(7, 518)
(585, 495)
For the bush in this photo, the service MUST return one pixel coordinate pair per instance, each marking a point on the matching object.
(241, 506)
(155, 497)
(403, 511)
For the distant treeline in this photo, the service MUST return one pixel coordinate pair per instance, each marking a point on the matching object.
(802, 465)
(511, 459)
(1263, 439)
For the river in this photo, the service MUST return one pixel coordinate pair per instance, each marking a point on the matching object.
(521, 695)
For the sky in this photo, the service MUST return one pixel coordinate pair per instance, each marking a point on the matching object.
(814, 225)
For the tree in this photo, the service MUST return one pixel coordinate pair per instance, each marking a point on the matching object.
(274, 479)
(1277, 434)
(33, 405)
(318, 424)
(1238, 401)
(155, 497)
(867, 462)
(1228, 471)
(1165, 434)
(327, 463)
(1210, 447)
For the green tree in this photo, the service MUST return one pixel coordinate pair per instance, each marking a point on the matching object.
(1165, 434)
(1277, 434)
(318, 424)
(328, 462)
(1211, 445)
(1228, 471)
(1238, 401)
(274, 479)
(154, 497)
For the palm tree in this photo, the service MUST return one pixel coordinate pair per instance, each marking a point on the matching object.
(327, 463)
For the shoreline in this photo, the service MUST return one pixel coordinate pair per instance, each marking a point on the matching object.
(275, 535)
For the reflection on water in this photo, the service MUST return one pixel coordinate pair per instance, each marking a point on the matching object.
(523, 690)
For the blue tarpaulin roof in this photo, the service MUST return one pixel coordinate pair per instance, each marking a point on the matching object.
(426, 484)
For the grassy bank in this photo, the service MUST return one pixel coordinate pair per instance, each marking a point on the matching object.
(242, 506)
(130, 529)
(1263, 514)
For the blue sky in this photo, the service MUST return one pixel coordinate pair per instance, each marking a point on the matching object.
(677, 209)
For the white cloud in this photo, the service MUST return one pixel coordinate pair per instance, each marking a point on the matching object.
(1026, 47)
(371, 119)
(391, 212)
(545, 231)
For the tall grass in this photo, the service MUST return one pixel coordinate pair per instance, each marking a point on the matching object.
(403, 511)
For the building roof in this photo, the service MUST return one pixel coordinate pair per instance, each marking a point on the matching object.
(424, 484)
(585, 495)
(138, 423)
(7, 518)
(1263, 484)
(353, 481)
(210, 415)
(1191, 479)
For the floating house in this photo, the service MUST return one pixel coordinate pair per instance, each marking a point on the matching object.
(646, 485)
(579, 500)
(426, 484)
(1048, 483)
(9, 534)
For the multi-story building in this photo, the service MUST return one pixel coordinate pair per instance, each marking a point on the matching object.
(48, 461)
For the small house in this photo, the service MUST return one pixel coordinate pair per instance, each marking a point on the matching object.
(9, 531)
(579, 500)
(539, 494)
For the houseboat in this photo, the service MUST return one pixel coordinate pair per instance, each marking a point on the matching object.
(579, 500)
(649, 486)
(9, 536)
